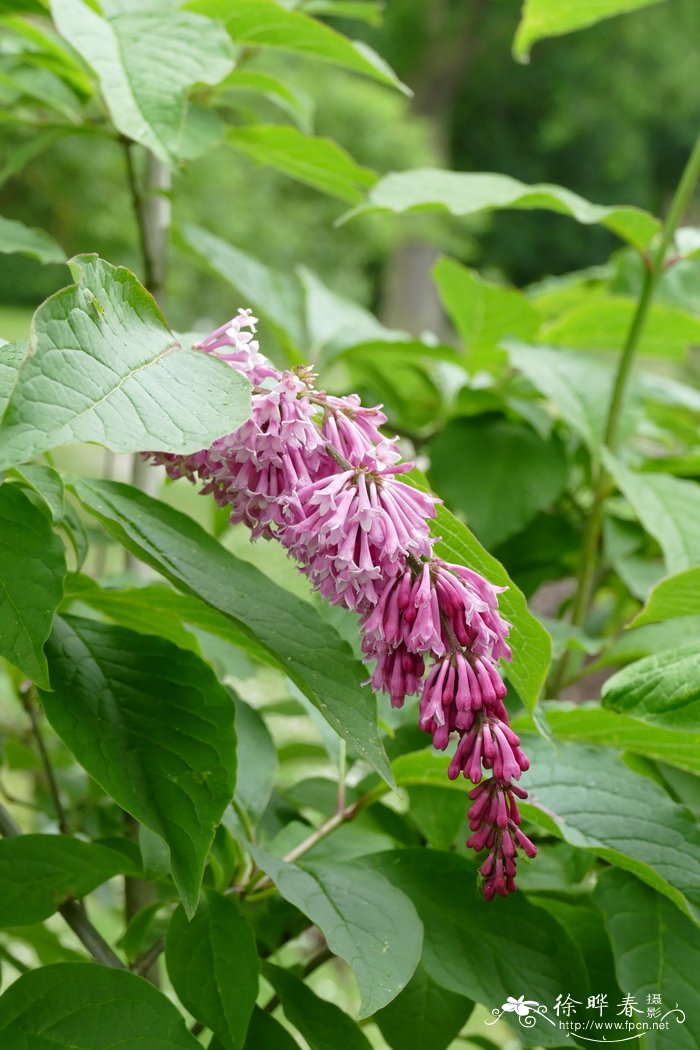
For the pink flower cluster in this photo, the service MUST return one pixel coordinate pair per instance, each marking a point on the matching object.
(315, 472)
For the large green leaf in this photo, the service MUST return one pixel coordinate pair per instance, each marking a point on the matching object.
(12, 356)
(105, 368)
(323, 1025)
(663, 689)
(531, 643)
(137, 607)
(263, 23)
(606, 728)
(147, 58)
(80, 1006)
(589, 798)
(497, 474)
(303, 645)
(317, 162)
(544, 18)
(32, 570)
(15, 237)
(153, 727)
(38, 873)
(483, 313)
(364, 919)
(213, 965)
(675, 596)
(657, 953)
(477, 950)
(468, 193)
(579, 386)
(668, 508)
(424, 1015)
(603, 324)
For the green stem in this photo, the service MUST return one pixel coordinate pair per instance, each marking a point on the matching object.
(601, 479)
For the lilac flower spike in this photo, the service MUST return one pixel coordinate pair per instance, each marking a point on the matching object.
(315, 472)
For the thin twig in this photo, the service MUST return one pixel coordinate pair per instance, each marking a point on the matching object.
(146, 960)
(29, 699)
(349, 813)
(313, 964)
(73, 912)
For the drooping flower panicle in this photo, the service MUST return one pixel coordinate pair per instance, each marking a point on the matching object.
(315, 472)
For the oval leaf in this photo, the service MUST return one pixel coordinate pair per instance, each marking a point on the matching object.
(364, 919)
(213, 964)
(105, 368)
(592, 800)
(80, 1006)
(662, 689)
(544, 18)
(303, 645)
(146, 62)
(16, 238)
(32, 571)
(154, 728)
(468, 193)
(673, 597)
(38, 873)
(472, 950)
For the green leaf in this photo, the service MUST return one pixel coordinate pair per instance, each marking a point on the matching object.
(657, 952)
(588, 797)
(32, 570)
(483, 313)
(303, 645)
(668, 508)
(424, 1015)
(466, 943)
(579, 386)
(276, 295)
(323, 1025)
(257, 762)
(12, 357)
(317, 162)
(262, 23)
(265, 1031)
(15, 237)
(296, 105)
(364, 919)
(545, 18)
(48, 484)
(603, 324)
(213, 965)
(137, 607)
(146, 61)
(80, 1006)
(675, 596)
(497, 474)
(153, 727)
(532, 645)
(663, 689)
(105, 368)
(468, 193)
(38, 873)
(596, 725)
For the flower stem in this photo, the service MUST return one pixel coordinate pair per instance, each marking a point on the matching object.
(601, 480)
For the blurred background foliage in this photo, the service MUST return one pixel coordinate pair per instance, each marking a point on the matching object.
(589, 112)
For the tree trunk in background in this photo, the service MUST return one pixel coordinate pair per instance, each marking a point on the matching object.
(409, 297)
